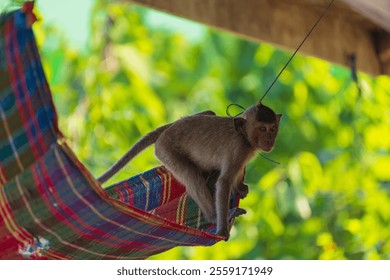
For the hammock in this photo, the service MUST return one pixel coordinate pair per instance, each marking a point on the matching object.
(51, 207)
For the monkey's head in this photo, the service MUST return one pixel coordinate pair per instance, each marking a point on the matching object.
(260, 126)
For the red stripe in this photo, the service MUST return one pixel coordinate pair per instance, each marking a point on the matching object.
(131, 194)
(125, 188)
(8, 244)
(3, 177)
(26, 112)
(121, 195)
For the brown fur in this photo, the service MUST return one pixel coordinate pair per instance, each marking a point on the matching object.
(205, 142)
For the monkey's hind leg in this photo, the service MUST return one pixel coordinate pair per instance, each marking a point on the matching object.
(227, 181)
(191, 177)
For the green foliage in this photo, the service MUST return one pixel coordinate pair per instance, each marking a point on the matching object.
(329, 198)
(10, 5)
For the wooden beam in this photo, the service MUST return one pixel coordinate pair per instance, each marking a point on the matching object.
(378, 11)
(285, 23)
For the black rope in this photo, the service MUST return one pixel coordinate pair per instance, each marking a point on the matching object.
(271, 160)
(304, 40)
(282, 70)
(237, 105)
(354, 75)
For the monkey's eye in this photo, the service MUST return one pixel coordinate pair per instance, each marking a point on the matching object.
(273, 128)
(263, 128)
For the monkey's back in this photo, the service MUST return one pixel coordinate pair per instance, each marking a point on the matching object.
(205, 140)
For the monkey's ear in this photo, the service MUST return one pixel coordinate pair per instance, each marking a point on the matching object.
(278, 116)
(239, 125)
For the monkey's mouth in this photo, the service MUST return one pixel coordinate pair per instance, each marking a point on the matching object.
(267, 148)
(267, 145)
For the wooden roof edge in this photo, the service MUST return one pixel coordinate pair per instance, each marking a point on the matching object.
(377, 11)
(284, 23)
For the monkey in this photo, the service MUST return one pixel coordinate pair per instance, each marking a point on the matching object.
(142, 144)
(205, 142)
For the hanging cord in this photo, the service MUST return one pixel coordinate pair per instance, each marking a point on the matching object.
(231, 105)
(267, 158)
(354, 75)
(282, 70)
(287, 63)
(296, 51)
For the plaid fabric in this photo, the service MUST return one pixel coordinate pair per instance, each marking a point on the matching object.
(158, 192)
(50, 205)
(29, 123)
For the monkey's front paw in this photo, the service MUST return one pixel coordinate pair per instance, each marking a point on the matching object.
(242, 190)
(224, 232)
(239, 212)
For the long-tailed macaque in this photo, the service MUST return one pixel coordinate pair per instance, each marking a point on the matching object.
(205, 142)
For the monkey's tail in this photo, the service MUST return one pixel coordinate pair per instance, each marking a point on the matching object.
(138, 147)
